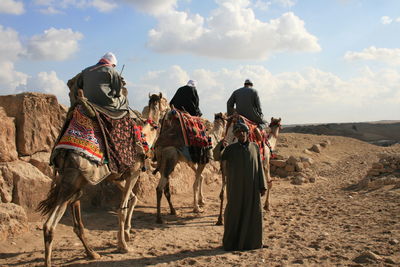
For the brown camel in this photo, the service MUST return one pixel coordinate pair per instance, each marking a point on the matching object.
(275, 127)
(168, 156)
(67, 189)
(162, 106)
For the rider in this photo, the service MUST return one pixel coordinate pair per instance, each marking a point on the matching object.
(247, 104)
(103, 85)
(186, 99)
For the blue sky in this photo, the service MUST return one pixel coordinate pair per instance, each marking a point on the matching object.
(311, 61)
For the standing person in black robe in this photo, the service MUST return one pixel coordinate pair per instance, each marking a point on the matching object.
(243, 228)
(186, 99)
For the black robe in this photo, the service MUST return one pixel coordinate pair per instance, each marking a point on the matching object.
(243, 226)
(186, 99)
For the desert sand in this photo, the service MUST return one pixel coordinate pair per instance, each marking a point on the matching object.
(333, 221)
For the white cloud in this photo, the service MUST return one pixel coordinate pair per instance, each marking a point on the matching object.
(54, 44)
(285, 3)
(11, 7)
(50, 10)
(10, 79)
(49, 83)
(10, 45)
(386, 55)
(103, 5)
(261, 5)
(231, 31)
(386, 20)
(308, 96)
(153, 6)
(53, 7)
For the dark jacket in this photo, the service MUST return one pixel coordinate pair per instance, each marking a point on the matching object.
(186, 99)
(102, 86)
(247, 104)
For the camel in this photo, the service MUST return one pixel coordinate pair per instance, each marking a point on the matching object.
(275, 127)
(162, 106)
(168, 157)
(67, 189)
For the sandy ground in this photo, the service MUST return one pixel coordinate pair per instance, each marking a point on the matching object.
(326, 223)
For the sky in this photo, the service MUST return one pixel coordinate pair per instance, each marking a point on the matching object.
(311, 61)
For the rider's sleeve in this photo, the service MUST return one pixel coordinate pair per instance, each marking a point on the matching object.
(257, 106)
(115, 83)
(230, 104)
(196, 102)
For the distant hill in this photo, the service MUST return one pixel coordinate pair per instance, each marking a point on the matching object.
(383, 133)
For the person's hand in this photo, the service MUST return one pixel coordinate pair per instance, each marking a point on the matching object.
(262, 191)
(224, 143)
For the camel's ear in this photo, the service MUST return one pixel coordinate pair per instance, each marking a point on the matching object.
(272, 118)
(149, 95)
(160, 95)
(279, 119)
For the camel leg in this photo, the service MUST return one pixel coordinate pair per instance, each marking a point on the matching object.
(168, 160)
(131, 206)
(79, 229)
(49, 227)
(160, 188)
(124, 209)
(68, 189)
(196, 188)
(128, 224)
(268, 177)
(167, 194)
(221, 198)
(200, 169)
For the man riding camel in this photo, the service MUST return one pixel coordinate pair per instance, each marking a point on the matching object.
(102, 85)
(109, 136)
(247, 104)
(186, 99)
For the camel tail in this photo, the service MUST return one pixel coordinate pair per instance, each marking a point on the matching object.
(47, 205)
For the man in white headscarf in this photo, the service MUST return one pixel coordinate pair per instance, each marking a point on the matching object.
(102, 85)
(186, 99)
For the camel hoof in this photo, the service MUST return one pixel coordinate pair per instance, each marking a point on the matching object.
(94, 255)
(202, 203)
(266, 208)
(173, 212)
(219, 222)
(124, 250)
(198, 210)
(127, 236)
(159, 220)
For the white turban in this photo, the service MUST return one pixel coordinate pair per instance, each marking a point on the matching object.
(191, 83)
(110, 58)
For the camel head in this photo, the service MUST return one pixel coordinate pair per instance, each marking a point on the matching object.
(275, 126)
(155, 107)
(158, 106)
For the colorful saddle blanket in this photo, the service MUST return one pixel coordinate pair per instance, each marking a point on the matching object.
(101, 139)
(194, 130)
(84, 136)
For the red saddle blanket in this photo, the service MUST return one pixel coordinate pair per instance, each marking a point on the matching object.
(101, 139)
(256, 134)
(194, 130)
